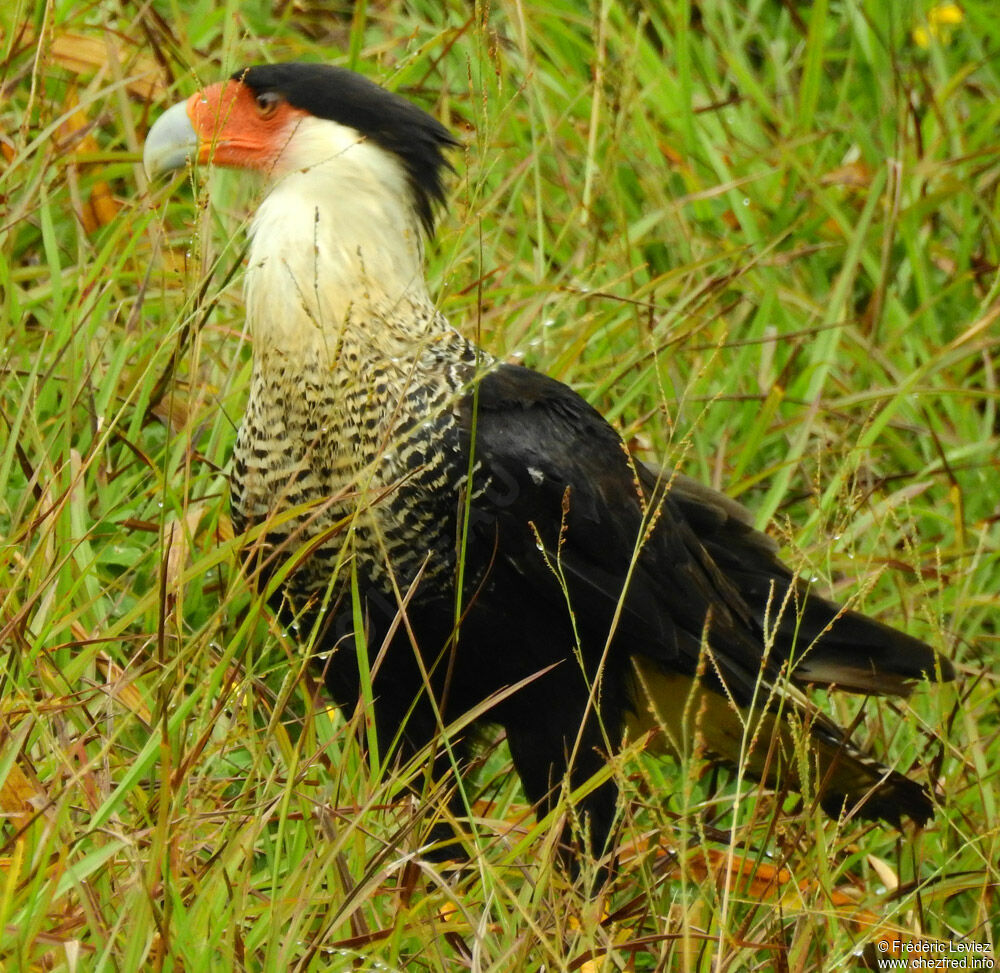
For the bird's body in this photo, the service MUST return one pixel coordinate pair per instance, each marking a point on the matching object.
(487, 526)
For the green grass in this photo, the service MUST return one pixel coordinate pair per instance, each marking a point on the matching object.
(762, 238)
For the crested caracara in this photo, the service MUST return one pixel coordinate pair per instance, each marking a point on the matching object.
(471, 535)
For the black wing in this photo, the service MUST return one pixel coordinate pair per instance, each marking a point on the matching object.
(560, 503)
(662, 561)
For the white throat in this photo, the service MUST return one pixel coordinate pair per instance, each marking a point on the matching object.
(335, 242)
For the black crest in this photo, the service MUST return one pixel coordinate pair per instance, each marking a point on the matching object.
(389, 120)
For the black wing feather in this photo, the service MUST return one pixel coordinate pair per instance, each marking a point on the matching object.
(830, 644)
(626, 556)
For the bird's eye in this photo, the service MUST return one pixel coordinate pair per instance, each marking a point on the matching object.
(267, 103)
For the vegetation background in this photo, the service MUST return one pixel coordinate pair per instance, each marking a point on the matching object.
(761, 236)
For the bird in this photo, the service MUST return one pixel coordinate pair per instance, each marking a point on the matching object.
(460, 535)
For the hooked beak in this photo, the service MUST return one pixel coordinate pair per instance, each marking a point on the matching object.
(171, 142)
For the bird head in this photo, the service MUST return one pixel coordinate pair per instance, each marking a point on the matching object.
(283, 118)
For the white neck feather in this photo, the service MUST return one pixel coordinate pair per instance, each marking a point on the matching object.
(335, 246)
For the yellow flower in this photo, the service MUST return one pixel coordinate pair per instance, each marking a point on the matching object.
(941, 18)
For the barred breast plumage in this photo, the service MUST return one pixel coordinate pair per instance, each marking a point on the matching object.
(361, 454)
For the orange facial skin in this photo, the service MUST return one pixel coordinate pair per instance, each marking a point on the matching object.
(240, 129)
